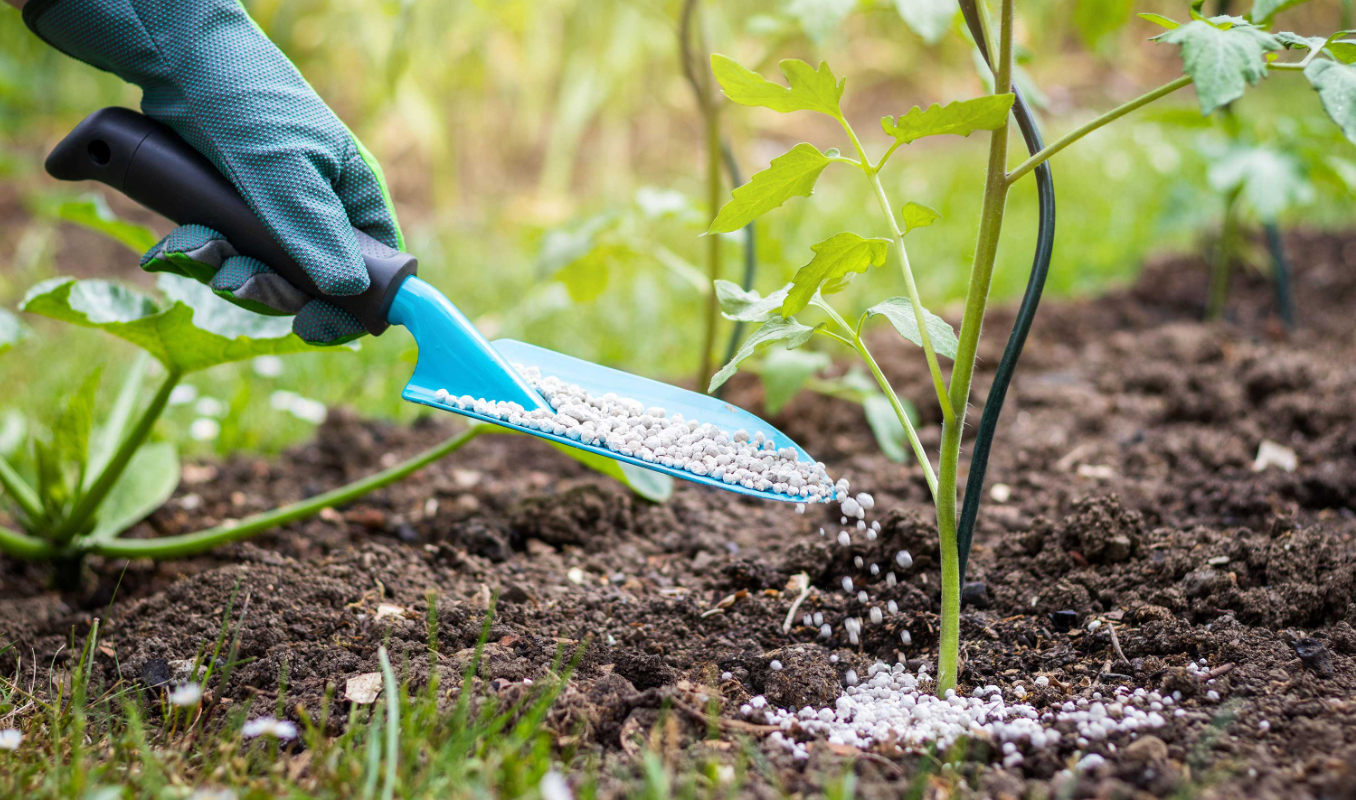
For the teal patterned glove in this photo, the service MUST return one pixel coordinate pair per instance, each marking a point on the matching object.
(208, 72)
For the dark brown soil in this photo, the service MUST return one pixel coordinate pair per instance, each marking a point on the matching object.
(1127, 452)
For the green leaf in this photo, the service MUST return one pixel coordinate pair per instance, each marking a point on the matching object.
(792, 174)
(899, 311)
(807, 89)
(834, 258)
(1269, 182)
(783, 372)
(12, 331)
(917, 215)
(1222, 63)
(788, 332)
(1159, 19)
(930, 19)
(741, 306)
(92, 211)
(1336, 87)
(1098, 19)
(193, 331)
(886, 427)
(150, 478)
(109, 435)
(1264, 10)
(961, 118)
(820, 18)
(1293, 40)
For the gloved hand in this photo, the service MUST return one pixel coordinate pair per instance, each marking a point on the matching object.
(207, 71)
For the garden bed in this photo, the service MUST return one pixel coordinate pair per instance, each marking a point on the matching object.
(1122, 489)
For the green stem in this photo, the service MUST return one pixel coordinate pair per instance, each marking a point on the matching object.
(911, 288)
(713, 242)
(23, 494)
(21, 545)
(90, 500)
(918, 450)
(976, 300)
(190, 543)
(1110, 116)
(1221, 265)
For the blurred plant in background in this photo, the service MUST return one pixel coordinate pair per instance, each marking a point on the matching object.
(546, 158)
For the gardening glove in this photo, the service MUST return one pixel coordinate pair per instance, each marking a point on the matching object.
(208, 72)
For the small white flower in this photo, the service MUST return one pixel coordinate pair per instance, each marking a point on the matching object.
(209, 407)
(10, 739)
(268, 366)
(204, 429)
(555, 787)
(308, 410)
(183, 394)
(185, 695)
(212, 794)
(268, 726)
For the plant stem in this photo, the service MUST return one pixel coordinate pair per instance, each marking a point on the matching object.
(910, 287)
(190, 543)
(713, 242)
(22, 545)
(918, 451)
(90, 500)
(1110, 116)
(23, 494)
(1221, 265)
(976, 300)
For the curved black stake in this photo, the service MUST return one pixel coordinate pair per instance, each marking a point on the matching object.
(1280, 275)
(750, 256)
(1026, 312)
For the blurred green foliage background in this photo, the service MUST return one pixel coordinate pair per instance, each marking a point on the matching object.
(530, 140)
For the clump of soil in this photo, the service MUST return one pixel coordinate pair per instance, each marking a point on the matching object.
(1130, 501)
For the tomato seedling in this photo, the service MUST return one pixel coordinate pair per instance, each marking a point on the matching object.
(1222, 57)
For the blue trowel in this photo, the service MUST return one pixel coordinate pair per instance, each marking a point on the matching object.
(149, 163)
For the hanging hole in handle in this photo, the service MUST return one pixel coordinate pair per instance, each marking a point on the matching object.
(99, 152)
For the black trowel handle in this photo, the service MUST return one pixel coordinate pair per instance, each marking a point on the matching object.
(149, 163)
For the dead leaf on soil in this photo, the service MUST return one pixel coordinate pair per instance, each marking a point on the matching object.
(363, 689)
(1273, 454)
(388, 610)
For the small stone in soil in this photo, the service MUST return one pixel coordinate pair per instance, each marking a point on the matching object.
(1063, 620)
(975, 593)
(1315, 656)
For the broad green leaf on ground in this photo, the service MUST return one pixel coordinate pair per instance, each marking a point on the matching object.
(91, 211)
(900, 313)
(12, 331)
(1159, 19)
(1269, 182)
(917, 215)
(193, 330)
(886, 427)
(109, 435)
(792, 174)
(834, 258)
(820, 18)
(960, 118)
(786, 332)
(653, 486)
(1336, 87)
(73, 425)
(1264, 10)
(783, 372)
(1098, 19)
(741, 306)
(1221, 63)
(807, 89)
(148, 481)
(930, 19)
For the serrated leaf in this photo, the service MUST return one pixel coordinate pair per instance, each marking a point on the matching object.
(899, 311)
(1264, 10)
(930, 19)
(807, 89)
(886, 427)
(1160, 20)
(1269, 182)
(1098, 19)
(778, 330)
(92, 211)
(194, 330)
(834, 258)
(783, 372)
(820, 18)
(12, 331)
(741, 306)
(1222, 63)
(148, 481)
(961, 118)
(1336, 87)
(917, 215)
(792, 174)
